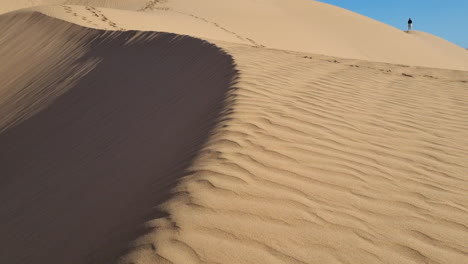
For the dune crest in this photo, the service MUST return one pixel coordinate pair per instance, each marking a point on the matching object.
(298, 25)
(136, 147)
(325, 160)
(82, 172)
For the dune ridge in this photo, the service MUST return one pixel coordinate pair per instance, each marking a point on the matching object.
(160, 148)
(54, 74)
(298, 25)
(325, 160)
(12, 6)
(86, 168)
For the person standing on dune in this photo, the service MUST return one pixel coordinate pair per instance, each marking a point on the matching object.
(410, 24)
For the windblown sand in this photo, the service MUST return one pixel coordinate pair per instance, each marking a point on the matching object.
(325, 161)
(123, 146)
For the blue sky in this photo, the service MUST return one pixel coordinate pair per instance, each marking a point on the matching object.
(447, 19)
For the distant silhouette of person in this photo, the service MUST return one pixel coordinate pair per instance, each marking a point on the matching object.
(410, 24)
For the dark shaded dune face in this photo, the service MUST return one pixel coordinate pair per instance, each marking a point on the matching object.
(82, 171)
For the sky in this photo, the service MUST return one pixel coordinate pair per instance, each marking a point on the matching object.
(447, 19)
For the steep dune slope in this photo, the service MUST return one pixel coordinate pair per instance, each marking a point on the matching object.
(100, 126)
(19, 96)
(299, 25)
(141, 147)
(325, 160)
(8, 5)
(116, 19)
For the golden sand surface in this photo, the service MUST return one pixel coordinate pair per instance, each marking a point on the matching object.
(179, 131)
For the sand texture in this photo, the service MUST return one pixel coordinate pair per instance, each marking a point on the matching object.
(138, 132)
(80, 176)
(298, 25)
(325, 160)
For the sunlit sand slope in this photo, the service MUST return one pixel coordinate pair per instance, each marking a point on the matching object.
(315, 27)
(96, 128)
(299, 25)
(325, 160)
(12, 5)
(133, 147)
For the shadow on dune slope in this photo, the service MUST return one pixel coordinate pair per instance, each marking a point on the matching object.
(80, 174)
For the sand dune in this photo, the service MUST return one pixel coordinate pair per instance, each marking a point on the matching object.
(325, 160)
(121, 146)
(299, 25)
(9, 6)
(83, 172)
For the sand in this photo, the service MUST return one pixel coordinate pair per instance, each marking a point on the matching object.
(325, 160)
(109, 145)
(304, 25)
(235, 144)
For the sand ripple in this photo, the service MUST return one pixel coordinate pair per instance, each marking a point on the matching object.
(324, 160)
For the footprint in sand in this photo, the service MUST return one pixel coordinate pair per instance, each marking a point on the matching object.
(97, 13)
